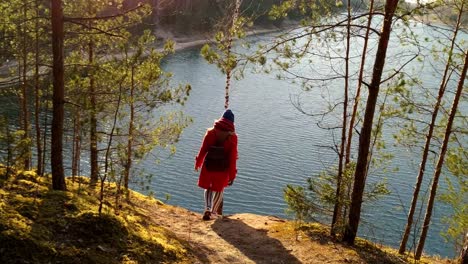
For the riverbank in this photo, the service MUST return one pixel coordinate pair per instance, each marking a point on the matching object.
(186, 41)
(39, 225)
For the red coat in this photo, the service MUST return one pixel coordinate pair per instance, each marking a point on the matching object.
(217, 180)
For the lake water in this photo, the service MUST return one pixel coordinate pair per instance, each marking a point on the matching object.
(278, 146)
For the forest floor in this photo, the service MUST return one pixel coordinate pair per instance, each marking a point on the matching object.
(39, 225)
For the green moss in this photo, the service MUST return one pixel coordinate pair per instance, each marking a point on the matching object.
(39, 225)
(19, 248)
(26, 207)
(105, 228)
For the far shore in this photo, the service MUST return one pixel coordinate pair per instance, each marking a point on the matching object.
(181, 43)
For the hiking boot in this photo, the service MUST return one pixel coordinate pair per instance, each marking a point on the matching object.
(206, 216)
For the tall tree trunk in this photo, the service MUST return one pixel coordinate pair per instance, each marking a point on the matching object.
(37, 95)
(422, 167)
(24, 89)
(440, 162)
(358, 91)
(357, 99)
(128, 164)
(337, 217)
(58, 178)
(93, 120)
(366, 130)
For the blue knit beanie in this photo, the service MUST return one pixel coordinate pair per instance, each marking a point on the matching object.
(229, 115)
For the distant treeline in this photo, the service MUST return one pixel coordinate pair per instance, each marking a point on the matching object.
(186, 16)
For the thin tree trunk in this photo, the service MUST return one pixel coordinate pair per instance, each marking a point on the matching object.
(128, 164)
(226, 94)
(109, 144)
(73, 167)
(422, 167)
(37, 96)
(24, 91)
(440, 162)
(117, 196)
(44, 138)
(337, 217)
(76, 144)
(358, 91)
(228, 52)
(366, 130)
(58, 178)
(93, 120)
(9, 150)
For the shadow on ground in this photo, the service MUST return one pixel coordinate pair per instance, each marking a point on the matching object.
(372, 254)
(253, 243)
(367, 252)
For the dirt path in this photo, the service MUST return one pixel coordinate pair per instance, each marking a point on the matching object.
(247, 238)
(250, 238)
(240, 238)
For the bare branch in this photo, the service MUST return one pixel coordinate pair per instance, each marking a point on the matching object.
(100, 31)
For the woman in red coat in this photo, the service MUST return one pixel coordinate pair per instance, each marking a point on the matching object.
(215, 180)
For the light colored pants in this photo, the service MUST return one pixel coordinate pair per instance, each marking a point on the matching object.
(213, 201)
